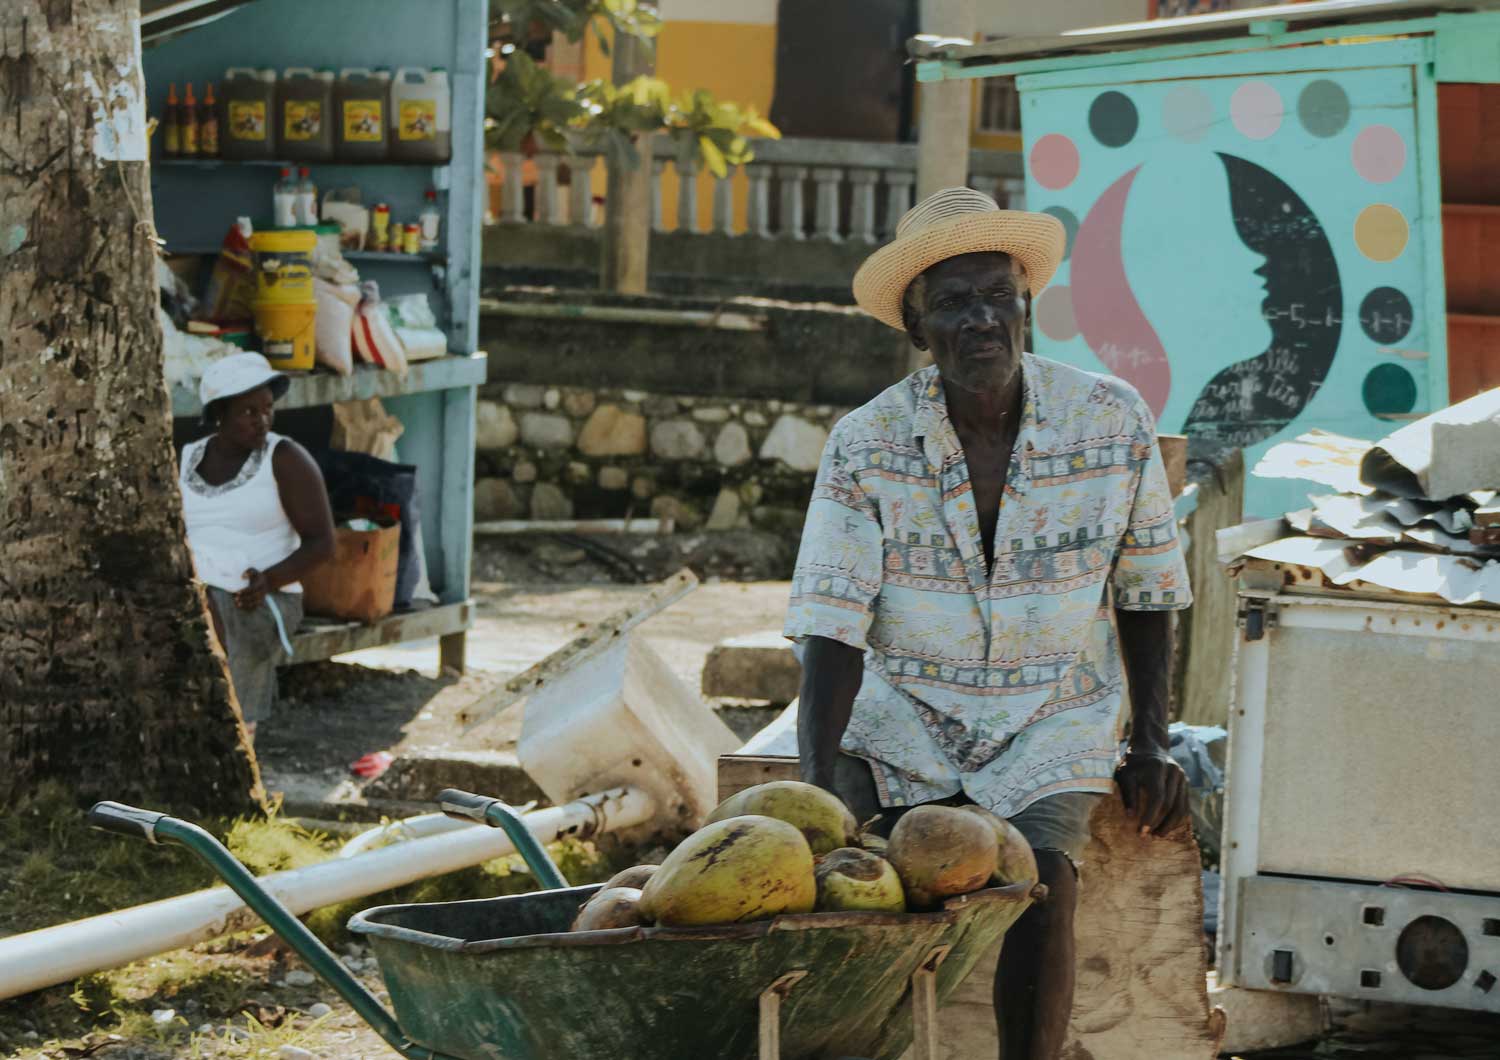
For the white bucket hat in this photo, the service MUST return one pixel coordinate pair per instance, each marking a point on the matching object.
(237, 374)
(946, 224)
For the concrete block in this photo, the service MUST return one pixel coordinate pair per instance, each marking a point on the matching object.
(758, 666)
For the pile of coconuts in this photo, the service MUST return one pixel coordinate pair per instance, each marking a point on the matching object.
(787, 847)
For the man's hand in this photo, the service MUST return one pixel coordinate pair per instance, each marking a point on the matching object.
(254, 592)
(1155, 791)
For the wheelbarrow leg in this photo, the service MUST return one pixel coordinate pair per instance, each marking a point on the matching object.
(770, 1014)
(924, 1006)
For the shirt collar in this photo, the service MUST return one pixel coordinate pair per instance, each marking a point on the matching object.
(931, 421)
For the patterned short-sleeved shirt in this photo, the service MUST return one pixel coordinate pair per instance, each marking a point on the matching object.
(1005, 683)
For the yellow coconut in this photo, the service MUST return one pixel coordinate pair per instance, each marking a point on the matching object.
(612, 907)
(875, 844)
(826, 822)
(635, 876)
(941, 851)
(743, 868)
(850, 879)
(1017, 861)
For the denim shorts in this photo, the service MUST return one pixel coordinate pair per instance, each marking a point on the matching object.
(1057, 822)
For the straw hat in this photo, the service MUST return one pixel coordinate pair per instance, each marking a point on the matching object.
(948, 223)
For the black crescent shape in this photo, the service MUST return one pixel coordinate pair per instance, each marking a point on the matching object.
(1251, 400)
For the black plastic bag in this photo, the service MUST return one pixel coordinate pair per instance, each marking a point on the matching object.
(365, 487)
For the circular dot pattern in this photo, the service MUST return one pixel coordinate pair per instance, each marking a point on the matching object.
(1379, 154)
(1256, 109)
(1113, 119)
(1323, 108)
(1385, 315)
(1381, 232)
(1054, 161)
(1054, 313)
(1389, 389)
(1069, 221)
(1187, 113)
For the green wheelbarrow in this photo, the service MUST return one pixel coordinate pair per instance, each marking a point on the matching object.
(504, 978)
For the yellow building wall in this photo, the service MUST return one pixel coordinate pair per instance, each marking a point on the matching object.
(736, 61)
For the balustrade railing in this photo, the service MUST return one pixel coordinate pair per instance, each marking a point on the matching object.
(833, 190)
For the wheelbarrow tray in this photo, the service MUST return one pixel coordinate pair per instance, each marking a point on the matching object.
(504, 979)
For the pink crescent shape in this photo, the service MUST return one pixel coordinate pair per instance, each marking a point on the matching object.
(1108, 315)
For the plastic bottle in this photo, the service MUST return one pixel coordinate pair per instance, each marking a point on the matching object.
(284, 200)
(380, 226)
(208, 124)
(189, 123)
(304, 107)
(411, 239)
(430, 221)
(307, 198)
(249, 105)
(420, 119)
(362, 97)
(171, 125)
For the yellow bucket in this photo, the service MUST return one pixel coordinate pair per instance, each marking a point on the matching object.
(283, 266)
(286, 334)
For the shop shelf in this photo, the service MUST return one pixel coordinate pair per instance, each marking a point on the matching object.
(367, 381)
(215, 163)
(426, 257)
(323, 638)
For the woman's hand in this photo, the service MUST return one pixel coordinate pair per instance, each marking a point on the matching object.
(257, 587)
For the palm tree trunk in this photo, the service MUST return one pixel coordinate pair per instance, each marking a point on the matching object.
(109, 682)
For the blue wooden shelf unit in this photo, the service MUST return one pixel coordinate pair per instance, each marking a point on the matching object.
(196, 201)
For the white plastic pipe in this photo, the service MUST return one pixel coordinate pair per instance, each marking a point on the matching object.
(419, 827)
(58, 954)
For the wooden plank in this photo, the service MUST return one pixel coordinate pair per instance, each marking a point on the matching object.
(575, 526)
(738, 772)
(1141, 989)
(464, 177)
(314, 645)
(1427, 230)
(586, 645)
(455, 497)
(1206, 631)
(367, 381)
(1174, 456)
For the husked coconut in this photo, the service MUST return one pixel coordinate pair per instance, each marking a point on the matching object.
(851, 880)
(743, 868)
(823, 819)
(1017, 861)
(613, 907)
(875, 844)
(941, 851)
(636, 876)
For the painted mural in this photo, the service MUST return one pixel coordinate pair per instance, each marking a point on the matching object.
(1244, 251)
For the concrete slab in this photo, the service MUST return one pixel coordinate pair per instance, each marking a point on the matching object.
(759, 666)
(418, 775)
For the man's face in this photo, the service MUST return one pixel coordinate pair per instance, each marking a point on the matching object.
(971, 316)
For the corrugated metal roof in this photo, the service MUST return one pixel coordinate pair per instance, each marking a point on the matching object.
(1218, 25)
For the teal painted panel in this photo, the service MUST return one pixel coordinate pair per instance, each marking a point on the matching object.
(422, 444)
(1252, 252)
(1468, 49)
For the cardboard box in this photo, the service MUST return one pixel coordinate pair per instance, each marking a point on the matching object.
(359, 582)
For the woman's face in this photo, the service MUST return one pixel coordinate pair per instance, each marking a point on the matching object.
(246, 419)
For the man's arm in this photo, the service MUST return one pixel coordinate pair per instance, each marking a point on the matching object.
(1152, 785)
(831, 676)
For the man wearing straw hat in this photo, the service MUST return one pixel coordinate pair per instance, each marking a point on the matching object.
(990, 554)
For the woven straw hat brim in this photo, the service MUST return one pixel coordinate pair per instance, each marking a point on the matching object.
(1037, 240)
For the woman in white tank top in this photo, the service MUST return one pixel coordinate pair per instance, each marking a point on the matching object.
(257, 519)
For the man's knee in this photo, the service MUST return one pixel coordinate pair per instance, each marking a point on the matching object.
(1056, 871)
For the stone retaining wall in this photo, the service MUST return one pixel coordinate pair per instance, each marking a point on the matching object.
(553, 452)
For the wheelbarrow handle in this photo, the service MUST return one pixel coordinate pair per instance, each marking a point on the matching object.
(465, 805)
(125, 820)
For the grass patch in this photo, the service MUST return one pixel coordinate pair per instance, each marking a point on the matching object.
(55, 869)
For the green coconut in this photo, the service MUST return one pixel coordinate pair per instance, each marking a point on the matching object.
(852, 880)
(826, 822)
(635, 876)
(941, 851)
(612, 907)
(1017, 861)
(740, 869)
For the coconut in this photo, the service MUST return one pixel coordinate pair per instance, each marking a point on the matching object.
(875, 844)
(612, 907)
(850, 879)
(941, 851)
(743, 868)
(631, 877)
(826, 822)
(1017, 861)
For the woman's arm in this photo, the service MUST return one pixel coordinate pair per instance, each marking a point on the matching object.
(303, 496)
